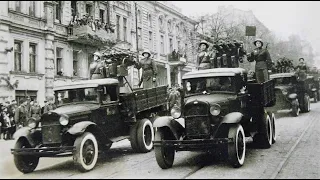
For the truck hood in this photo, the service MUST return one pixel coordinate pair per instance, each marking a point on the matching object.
(76, 109)
(211, 98)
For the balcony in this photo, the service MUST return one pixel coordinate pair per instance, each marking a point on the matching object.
(177, 59)
(91, 35)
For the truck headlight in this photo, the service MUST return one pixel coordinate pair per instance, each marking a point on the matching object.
(175, 112)
(32, 123)
(284, 92)
(215, 109)
(64, 120)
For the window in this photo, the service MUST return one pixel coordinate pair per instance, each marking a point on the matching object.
(171, 44)
(75, 63)
(150, 41)
(59, 61)
(102, 15)
(21, 94)
(139, 16)
(108, 12)
(169, 26)
(177, 29)
(125, 29)
(17, 55)
(118, 27)
(18, 6)
(32, 57)
(32, 8)
(139, 38)
(161, 23)
(161, 44)
(89, 9)
(149, 20)
(58, 10)
(74, 9)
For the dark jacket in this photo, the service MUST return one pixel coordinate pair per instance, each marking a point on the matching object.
(262, 58)
(21, 115)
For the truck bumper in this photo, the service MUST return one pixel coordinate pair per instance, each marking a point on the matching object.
(193, 145)
(45, 151)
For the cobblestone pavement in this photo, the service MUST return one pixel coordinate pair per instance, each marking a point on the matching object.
(296, 154)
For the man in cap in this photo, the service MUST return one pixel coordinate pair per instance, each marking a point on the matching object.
(96, 68)
(149, 70)
(263, 61)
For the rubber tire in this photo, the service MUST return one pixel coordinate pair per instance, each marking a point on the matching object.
(264, 138)
(233, 154)
(145, 125)
(295, 111)
(164, 162)
(133, 137)
(78, 156)
(25, 164)
(305, 106)
(274, 134)
(315, 97)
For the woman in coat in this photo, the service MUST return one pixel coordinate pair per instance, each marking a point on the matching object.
(263, 61)
(149, 70)
(203, 57)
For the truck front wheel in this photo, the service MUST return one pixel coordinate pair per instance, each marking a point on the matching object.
(25, 164)
(237, 148)
(86, 155)
(164, 155)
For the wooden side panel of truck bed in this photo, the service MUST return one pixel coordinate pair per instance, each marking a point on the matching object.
(150, 98)
(262, 94)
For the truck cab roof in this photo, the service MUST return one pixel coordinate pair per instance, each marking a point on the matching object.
(86, 84)
(281, 75)
(214, 72)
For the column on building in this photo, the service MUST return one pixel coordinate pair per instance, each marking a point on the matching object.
(49, 49)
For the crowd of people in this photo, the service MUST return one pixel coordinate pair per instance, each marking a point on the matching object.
(14, 117)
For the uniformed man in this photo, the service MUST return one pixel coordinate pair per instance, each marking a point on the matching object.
(203, 58)
(50, 105)
(263, 61)
(149, 70)
(20, 116)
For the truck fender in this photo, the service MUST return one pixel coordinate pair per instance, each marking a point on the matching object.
(168, 121)
(234, 117)
(80, 127)
(27, 133)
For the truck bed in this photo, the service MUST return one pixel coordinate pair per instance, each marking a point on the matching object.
(262, 94)
(144, 99)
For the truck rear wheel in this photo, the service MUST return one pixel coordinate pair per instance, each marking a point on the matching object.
(264, 137)
(273, 121)
(145, 135)
(315, 97)
(25, 163)
(133, 137)
(295, 110)
(164, 155)
(86, 155)
(305, 104)
(237, 148)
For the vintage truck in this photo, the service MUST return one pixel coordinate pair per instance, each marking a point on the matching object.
(91, 115)
(292, 93)
(220, 108)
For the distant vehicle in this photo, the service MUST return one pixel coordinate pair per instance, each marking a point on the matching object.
(91, 115)
(221, 107)
(291, 93)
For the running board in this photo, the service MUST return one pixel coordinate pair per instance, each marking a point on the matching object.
(116, 139)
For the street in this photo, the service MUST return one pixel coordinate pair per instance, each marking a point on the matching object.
(294, 155)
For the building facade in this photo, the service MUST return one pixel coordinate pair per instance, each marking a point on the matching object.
(44, 43)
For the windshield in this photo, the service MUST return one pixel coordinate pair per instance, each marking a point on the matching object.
(283, 81)
(208, 85)
(76, 95)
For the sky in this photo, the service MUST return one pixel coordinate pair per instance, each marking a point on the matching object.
(282, 17)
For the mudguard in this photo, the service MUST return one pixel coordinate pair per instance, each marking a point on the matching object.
(171, 123)
(80, 127)
(27, 132)
(234, 117)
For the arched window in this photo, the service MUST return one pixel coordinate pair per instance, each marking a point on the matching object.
(161, 23)
(139, 16)
(149, 20)
(169, 25)
(177, 29)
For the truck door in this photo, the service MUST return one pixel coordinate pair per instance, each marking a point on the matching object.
(110, 121)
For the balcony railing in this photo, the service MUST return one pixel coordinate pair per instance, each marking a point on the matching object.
(91, 33)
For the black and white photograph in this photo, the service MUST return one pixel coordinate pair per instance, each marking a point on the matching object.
(159, 90)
